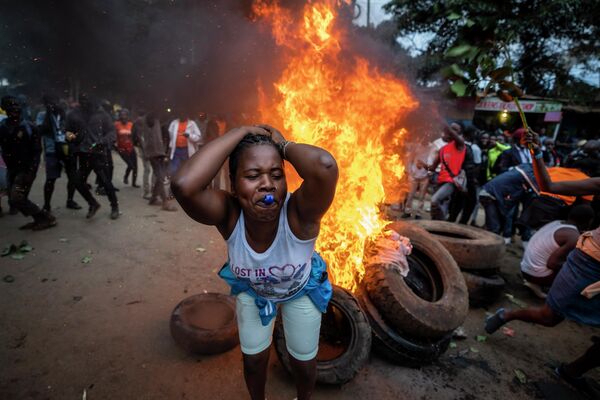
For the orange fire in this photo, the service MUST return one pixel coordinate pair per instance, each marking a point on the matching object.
(337, 101)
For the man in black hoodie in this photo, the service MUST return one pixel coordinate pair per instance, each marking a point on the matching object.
(92, 129)
(21, 149)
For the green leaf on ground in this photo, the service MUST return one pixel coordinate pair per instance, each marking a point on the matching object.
(17, 256)
(86, 260)
(473, 350)
(481, 338)
(520, 376)
(25, 247)
(452, 345)
(454, 16)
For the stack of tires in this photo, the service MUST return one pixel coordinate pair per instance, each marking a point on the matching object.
(413, 317)
(477, 253)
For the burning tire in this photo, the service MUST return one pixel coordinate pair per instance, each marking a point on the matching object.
(205, 323)
(432, 300)
(344, 344)
(483, 290)
(396, 348)
(472, 248)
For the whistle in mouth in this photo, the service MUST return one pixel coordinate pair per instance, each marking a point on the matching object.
(268, 199)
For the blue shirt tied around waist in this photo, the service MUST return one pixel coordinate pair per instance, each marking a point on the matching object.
(318, 288)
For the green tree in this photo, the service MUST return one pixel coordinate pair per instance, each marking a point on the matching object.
(473, 40)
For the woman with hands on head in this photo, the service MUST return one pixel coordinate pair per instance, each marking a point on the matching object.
(270, 237)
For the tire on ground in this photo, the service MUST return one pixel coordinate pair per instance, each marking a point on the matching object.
(483, 290)
(398, 349)
(432, 300)
(344, 344)
(205, 323)
(472, 248)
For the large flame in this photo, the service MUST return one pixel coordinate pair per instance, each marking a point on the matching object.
(338, 101)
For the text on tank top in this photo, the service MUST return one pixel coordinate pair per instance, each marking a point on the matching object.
(282, 270)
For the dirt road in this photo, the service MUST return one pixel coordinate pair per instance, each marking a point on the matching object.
(102, 326)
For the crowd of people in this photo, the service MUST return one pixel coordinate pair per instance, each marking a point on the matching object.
(80, 139)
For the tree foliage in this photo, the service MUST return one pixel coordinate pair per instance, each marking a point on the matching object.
(475, 39)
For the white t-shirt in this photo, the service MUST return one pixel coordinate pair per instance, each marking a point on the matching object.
(282, 270)
(540, 248)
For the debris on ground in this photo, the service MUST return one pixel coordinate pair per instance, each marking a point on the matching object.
(452, 345)
(17, 252)
(459, 333)
(9, 279)
(515, 301)
(481, 338)
(508, 331)
(473, 350)
(520, 376)
(200, 249)
(86, 260)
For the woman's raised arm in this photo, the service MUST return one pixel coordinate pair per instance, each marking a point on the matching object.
(190, 184)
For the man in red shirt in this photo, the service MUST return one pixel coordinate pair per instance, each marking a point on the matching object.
(451, 158)
(125, 147)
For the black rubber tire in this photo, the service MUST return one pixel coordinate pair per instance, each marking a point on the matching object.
(483, 290)
(393, 346)
(472, 248)
(355, 354)
(197, 334)
(408, 308)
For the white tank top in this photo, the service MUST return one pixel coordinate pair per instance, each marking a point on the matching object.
(540, 247)
(282, 270)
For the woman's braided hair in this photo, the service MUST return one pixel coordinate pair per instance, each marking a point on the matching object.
(248, 141)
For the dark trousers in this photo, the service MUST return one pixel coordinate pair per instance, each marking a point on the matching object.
(89, 162)
(130, 158)
(464, 202)
(159, 170)
(109, 166)
(69, 163)
(494, 220)
(19, 186)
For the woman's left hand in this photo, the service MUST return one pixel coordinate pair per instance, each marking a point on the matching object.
(275, 134)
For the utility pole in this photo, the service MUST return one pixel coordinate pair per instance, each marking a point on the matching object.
(368, 13)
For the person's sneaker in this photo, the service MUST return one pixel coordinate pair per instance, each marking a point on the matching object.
(126, 180)
(135, 185)
(48, 222)
(114, 213)
(46, 208)
(147, 196)
(535, 288)
(100, 191)
(92, 210)
(418, 217)
(154, 202)
(168, 206)
(27, 226)
(495, 321)
(72, 204)
(406, 215)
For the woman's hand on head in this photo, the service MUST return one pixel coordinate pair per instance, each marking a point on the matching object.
(255, 130)
(274, 133)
